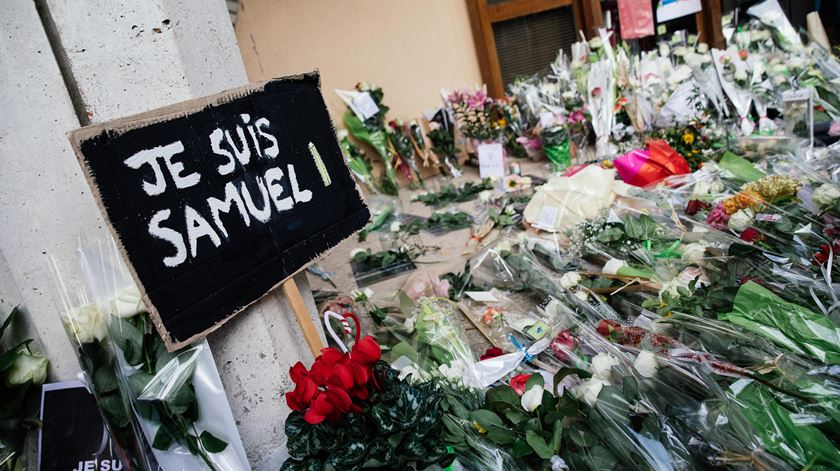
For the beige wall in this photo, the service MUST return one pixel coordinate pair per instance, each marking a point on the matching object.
(412, 48)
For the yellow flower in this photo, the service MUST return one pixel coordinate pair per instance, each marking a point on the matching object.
(479, 427)
(502, 122)
(744, 199)
(688, 138)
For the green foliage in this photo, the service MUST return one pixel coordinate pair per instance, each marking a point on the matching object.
(439, 221)
(451, 194)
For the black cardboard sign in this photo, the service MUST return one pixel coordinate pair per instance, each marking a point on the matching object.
(216, 201)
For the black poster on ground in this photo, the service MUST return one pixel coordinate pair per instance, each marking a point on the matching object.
(216, 201)
(73, 436)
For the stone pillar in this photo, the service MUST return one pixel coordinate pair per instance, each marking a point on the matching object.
(120, 58)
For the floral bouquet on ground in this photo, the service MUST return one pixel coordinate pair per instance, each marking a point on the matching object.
(175, 399)
(365, 120)
(351, 410)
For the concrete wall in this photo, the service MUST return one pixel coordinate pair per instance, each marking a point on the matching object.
(411, 48)
(119, 58)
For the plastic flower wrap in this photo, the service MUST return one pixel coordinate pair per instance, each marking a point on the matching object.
(176, 398)
(648, 167)
(87, 330)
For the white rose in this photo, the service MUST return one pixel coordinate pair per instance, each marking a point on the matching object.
(694, 252)
(741, 220)
(740, 75)
(25, 368)
(355, 252)
(664, 50)
(588, 390)
(702, 48)
(595, 43)
(532, 398)
(570, 279)
(395, 226)
(568, 95)
(368, 293)
(826, 195)
(485, 196)
(87, 323)
(646, 364)
(717, 187)
(694, 60)
(701, 188)
(127, 303)
(558, 463)
(613, 265)
(602, 365)
(342, 133)
(680, 51)
(689, 274)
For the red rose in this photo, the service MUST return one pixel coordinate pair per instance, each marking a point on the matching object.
(751, 234)
(606, 327)
(492, 353)
(821, 257)
(518, 383)
(563, 344)
(695, 206)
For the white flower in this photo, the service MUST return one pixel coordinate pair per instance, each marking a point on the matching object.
(485, 196)
(680, 51)
(453, 373)
(664, 50)
(826, 195)
(602, 365)
(701, 188)
(570, 279)
(341, 134)
(717, 187)
(558, 464)
(532, 398)
(741, 220)
(741, 75)
(588, 390)
(368, 293)
(127, 303)
(646, 364)
(595, 43)
(613, 265)
(395, 226)
(27, 368)
(694, 60)
(86, 323)
(702, 48)
(568, 95)
(679, 75)
(355, 252)
(694, 252)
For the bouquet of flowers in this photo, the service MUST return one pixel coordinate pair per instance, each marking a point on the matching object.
(23, 372)
(365, 120)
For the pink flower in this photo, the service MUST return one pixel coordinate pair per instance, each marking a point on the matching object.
(596, 92)
(718, 217)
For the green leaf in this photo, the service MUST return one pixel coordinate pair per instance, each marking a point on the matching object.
(611, 404)
(138, 381)
(128, 339)
(501, 436)
(164, 438)
(8, 358)
(534, 380)
(521, 448)
(406, 304)
(114, 409)
(192, 444)
(539, 445)
(630, 388)
(504, 394)
(516, 416)
(601, 458)
(9, 320)
(556, 437)
(181, 399)
(104, 380)
(566, 371)
(211, 443)
(487, 419)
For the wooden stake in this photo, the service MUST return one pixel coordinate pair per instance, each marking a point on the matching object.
(310, 333)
